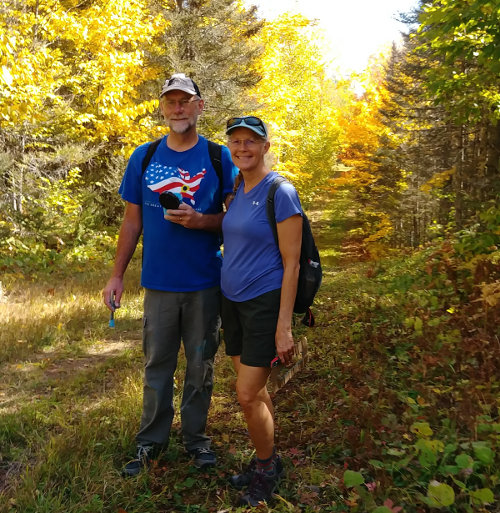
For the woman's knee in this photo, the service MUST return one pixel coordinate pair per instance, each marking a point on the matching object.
(248, 396)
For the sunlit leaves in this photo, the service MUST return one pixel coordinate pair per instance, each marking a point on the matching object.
(372, 182)
(79, 69)
(296, 97)
(464, 38)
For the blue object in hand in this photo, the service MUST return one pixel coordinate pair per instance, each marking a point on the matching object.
(112, 316)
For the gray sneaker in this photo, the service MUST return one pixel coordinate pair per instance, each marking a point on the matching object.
(203, 457)
(145, 455)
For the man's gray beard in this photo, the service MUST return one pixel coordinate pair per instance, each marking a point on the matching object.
(188, 127)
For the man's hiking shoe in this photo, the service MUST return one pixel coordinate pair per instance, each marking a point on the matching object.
(240, 481)
(203, 457)
(145, 455)
(261, 488)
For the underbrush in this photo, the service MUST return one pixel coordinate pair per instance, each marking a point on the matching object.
(413, 385)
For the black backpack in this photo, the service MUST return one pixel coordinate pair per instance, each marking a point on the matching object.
(310, 273)
(214, 151)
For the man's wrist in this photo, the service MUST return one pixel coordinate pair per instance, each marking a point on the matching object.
(199, 221)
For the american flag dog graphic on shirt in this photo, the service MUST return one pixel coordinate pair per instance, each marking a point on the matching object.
(161, 178)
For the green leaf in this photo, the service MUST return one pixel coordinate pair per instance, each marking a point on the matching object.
(382, 509)
(409, 322)
(482, 496)
(392, 451)
(450, 448)
(428, 451)
(427, 458)
(460, 484)
(352, 478)
(376, 463)
(483, 453)
(451, 469)
(403, 463)
(440, 494)
(464, 461)
(421, 429)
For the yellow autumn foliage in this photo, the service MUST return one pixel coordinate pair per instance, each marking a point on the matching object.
(294, 95)
(83, 65)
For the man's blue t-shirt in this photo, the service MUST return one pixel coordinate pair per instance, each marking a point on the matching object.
(175, 258)
(252, 262)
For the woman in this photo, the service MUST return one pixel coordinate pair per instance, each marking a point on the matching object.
(259, 283)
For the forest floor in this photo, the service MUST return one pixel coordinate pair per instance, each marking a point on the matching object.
(397, 410)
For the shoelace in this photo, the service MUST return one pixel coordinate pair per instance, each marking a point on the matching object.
(204, 450)
(261, 486)
(143, 452)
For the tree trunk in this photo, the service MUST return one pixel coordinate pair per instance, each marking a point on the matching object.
(458, 189)
(492, 160)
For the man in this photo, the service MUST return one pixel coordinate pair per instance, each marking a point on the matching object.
(180, 272)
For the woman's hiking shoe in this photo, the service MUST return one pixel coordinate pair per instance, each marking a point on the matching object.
(240, 481)
(262, 485)
(203, 457)
(260, 490)
(145, 455)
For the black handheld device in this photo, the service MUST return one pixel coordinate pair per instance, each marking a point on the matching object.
(169, 200)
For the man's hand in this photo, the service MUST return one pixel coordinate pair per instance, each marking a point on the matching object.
(185, 216)
(113, 292)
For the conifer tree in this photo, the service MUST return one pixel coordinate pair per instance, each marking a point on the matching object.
(213, 42)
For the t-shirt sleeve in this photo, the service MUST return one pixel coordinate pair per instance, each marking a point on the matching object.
(229, 171)
(131, 187)
(286, 202)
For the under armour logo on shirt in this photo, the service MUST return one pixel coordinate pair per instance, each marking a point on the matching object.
(255, 203)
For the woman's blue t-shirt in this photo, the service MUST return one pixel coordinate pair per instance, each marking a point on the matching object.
(252, 262)
(175, 258)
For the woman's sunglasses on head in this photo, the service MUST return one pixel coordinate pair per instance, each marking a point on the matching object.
(249, 121)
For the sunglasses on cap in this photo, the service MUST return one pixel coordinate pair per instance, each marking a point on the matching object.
(252, 122)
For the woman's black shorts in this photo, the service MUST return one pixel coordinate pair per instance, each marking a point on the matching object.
(250, 327)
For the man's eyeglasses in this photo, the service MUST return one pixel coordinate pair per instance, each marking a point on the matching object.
(251, 122)
(182, 103)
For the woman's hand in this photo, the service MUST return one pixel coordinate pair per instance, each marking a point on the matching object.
(285, 348)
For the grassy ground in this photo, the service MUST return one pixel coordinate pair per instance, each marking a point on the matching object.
(398, 407)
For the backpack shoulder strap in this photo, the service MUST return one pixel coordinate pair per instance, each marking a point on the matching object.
(215, 152)
(271, 215)
(149, 153)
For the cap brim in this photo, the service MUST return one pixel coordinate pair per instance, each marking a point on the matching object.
(257, 129)
(187, 90)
